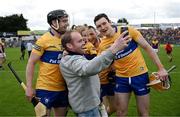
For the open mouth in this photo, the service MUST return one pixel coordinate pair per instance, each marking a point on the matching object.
(104, 31)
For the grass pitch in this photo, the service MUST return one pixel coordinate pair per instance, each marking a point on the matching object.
(14, 103)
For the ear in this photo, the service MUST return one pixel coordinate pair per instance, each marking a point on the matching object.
(69, 45)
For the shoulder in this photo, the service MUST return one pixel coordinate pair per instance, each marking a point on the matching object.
(134, 33)
(69, 61)
(45, 37)
(70, 58)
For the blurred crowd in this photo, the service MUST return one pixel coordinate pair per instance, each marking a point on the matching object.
(163, 36)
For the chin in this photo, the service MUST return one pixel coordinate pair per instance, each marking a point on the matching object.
(82, 52)
(62, 32)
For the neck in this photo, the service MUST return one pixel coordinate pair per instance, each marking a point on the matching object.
(55, 33)
(73, 53)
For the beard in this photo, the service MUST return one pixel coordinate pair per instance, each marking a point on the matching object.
(62, 32)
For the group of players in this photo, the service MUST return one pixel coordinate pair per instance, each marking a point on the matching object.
(127, 73)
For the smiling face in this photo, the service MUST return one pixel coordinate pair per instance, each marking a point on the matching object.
(92, 35)
(104, 27)
(63, 24)
(77, 43)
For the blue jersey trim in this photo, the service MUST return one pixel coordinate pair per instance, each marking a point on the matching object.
(128, 50)
(52, 57)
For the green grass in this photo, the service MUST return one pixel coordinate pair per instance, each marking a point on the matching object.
(13, 101)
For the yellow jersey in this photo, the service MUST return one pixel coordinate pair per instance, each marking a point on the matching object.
(103, 75)
(90, 49)
(128, 62)
(50, 50)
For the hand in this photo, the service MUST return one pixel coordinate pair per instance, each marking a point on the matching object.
(65, 53)
(120, 43)
(162, 74)
(29, 93)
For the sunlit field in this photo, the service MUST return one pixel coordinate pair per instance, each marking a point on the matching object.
(14, 103)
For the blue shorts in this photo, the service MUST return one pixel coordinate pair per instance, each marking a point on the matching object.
(53, 98)
(137, 84)
(107, 90)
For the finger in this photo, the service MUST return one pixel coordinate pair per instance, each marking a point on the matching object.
(166, 77)
(126, 45)
(124, 33)
(128, 40)
(163, 78)
(127, 37)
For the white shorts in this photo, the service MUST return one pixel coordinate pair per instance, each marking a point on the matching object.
(2, 55)
(156, 50)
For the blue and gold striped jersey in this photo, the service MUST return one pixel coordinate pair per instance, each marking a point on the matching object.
(50, 50)
(128, 62)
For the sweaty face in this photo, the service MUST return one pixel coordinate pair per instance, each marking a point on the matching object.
(63, 24)
(104, 27)
(78, 43)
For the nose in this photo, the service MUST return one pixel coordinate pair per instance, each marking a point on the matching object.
(67, 23)
(102, 27)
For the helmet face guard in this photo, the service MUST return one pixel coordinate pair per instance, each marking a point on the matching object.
(56, 14)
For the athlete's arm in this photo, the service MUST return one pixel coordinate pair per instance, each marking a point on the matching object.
(161, 70)
(30, 73)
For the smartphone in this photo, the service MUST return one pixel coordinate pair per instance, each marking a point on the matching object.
(124, 28)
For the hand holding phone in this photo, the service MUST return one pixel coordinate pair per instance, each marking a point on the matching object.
(124, 28)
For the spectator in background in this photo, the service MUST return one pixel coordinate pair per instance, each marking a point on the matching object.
(29, 47)
(23, 48)
(169, 48)
(155, 44)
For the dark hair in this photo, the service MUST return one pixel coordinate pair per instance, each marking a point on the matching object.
(99, 16)
(66, 38)
(89, 27)
(73, 27)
